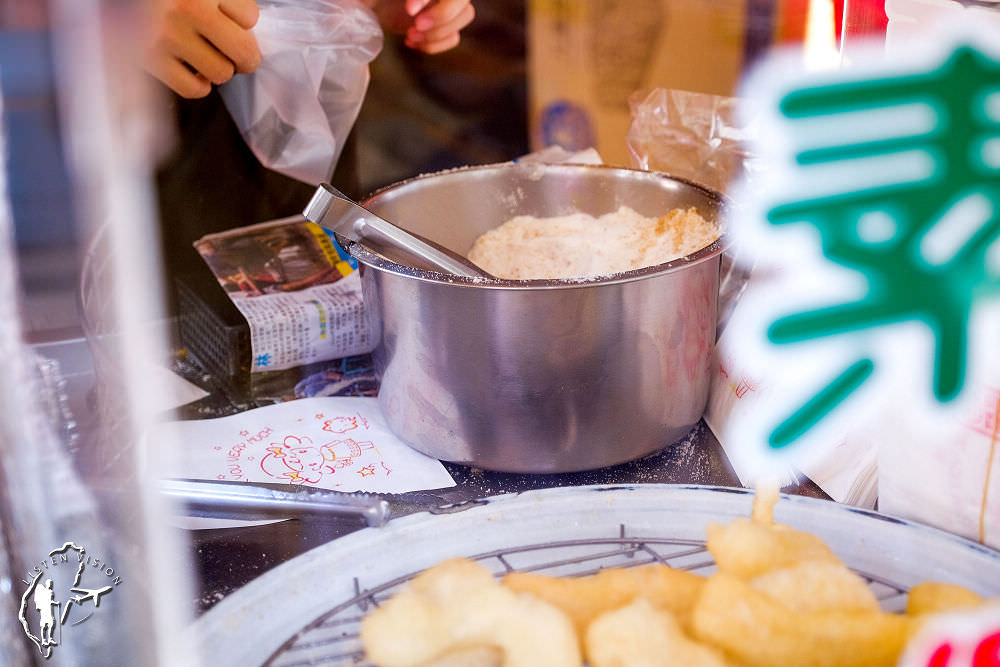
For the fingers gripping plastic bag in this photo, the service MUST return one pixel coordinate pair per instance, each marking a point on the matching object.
(296, 110)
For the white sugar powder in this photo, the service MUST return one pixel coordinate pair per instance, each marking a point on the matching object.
(579, 245)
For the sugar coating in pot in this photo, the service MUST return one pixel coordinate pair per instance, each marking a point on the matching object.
(580, 246)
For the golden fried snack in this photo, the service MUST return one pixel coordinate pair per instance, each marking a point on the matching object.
(765, 497)
(640, 635)
(931, 597)
(780, 597)
(747, 548)
(457, 604)
(472, 656)
(756, 630)
(817, 586)
(585, 598)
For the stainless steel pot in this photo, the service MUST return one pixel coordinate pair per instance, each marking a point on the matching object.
(540, 376)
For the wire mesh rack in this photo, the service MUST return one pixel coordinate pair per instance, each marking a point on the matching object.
(308, 611)
(333, 639)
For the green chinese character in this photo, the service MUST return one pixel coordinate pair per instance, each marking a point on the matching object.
(928, 260)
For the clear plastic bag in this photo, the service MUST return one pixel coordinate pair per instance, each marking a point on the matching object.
(296, 110)
(692, 135)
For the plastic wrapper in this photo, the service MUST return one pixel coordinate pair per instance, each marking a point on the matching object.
(706, 139)
(702, 138)
(695, 136)
(296, 110)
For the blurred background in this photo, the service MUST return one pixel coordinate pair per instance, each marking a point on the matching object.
(525, 75)
(91, 145)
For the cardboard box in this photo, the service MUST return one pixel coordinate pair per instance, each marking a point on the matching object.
(586, 57)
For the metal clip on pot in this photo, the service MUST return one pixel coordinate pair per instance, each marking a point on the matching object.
(331, 209)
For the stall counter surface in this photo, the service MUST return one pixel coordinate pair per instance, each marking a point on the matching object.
(227, 559)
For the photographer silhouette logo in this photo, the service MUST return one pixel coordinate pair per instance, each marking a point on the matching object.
(66, 588)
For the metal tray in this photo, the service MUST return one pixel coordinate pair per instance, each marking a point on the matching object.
(307, 611)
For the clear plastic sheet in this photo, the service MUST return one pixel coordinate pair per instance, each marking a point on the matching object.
(91, 575)
(692, 135)
(296, 110)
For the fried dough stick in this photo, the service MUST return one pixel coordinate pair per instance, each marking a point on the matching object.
(758, 631)
(932, 597)
(585, 598)
(748, 547)
(457, 605)
(640, 635)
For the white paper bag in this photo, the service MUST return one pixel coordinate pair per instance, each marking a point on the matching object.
(944, 472)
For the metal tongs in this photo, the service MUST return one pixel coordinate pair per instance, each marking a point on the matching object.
(331, 209)
(247, 501)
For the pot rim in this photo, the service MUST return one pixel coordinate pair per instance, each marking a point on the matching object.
(379, 262)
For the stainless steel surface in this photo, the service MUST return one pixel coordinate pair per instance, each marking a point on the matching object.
(541, 376)
(240, 500)
(331, 209)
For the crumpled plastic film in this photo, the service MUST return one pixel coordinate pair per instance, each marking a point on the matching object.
(691, 135)
(296, 110)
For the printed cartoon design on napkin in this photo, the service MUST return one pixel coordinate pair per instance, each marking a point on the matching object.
(340, 443)
(879, 219)
(299, 461)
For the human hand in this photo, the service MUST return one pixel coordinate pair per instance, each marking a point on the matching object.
(430, 26)
(196, 43)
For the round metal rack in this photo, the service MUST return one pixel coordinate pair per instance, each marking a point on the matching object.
(333, 639)
(308, 610)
